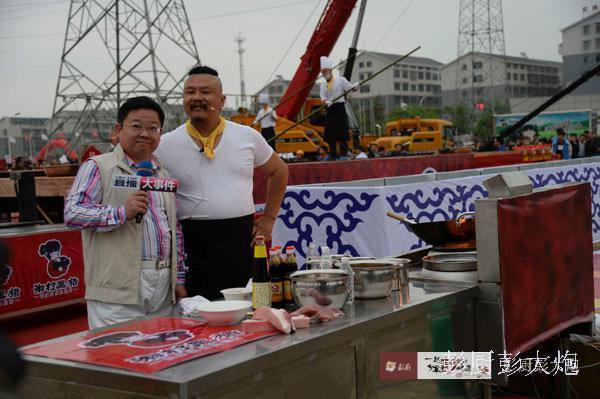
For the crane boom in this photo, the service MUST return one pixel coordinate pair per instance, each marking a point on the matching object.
(330, 26)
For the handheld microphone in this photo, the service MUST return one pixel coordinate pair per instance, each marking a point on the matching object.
(144, 169)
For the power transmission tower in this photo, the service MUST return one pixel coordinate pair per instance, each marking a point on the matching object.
(481, 57)
(240, 40)
(117, 49)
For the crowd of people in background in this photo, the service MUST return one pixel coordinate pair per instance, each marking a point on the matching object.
(563, 145)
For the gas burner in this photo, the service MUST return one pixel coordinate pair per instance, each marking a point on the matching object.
(456, 266)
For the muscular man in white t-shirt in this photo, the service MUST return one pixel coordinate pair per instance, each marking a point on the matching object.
(214, 161)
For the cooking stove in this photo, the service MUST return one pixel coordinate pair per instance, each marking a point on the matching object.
(449, 265)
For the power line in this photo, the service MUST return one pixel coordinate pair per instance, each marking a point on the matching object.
(32, 15)
(253, 10)
(29, 36)
(293, 42)
(393, 24)
(31, 4)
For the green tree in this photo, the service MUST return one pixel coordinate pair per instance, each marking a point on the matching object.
(484, 126)
(462, 117)
(379, 111)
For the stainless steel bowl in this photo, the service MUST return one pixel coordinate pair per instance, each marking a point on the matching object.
(374, 279)
(323, 287)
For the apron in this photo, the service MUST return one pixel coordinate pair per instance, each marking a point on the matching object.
(336, 123)
(268, 133)
(219, 254)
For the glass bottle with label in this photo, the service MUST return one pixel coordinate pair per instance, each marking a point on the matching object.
(290, 267)
(261, 281)
(276, 270)
(313, 260)
(326, 261)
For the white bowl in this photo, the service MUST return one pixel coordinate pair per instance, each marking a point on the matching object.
(237, 294)
(224, 312)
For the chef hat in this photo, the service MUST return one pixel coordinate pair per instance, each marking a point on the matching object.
(326, 63)
(263, 98)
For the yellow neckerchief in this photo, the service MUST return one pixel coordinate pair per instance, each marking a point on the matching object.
(330, 83)
(208, 143)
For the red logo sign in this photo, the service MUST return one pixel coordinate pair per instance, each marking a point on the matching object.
(398, 366)
(57, 265)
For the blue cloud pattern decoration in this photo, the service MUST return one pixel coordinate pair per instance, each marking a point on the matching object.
(317, 213)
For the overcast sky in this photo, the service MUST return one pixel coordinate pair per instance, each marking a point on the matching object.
(31, 38)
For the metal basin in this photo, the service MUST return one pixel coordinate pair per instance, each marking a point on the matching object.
(374, 279)
(451, 262)
(323, 287)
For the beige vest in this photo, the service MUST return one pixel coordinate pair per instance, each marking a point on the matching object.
(113, 259)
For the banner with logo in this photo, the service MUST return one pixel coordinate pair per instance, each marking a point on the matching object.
(43, 269)
(148, 346)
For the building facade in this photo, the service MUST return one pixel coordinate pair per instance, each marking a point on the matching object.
(276, 88)
(464, 80)
(415, 80)
(580, 51)
(21, 136)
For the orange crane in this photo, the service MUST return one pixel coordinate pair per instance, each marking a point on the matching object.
(308, 136)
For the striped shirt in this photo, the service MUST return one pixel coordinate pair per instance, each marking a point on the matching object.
(83, 210)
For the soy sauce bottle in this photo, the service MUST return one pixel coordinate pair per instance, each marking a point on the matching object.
(290, 267)
(261, 280)
(276, 271)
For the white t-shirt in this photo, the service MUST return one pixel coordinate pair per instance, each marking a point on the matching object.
(218, 188)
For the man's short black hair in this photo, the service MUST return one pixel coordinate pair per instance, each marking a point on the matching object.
(560, 131)
(203, 70)
(141, 102)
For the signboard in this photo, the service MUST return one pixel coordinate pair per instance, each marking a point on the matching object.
(44, 269)
(148, 346)
(546, 123)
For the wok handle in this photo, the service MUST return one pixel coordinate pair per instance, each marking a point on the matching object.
(400, 217)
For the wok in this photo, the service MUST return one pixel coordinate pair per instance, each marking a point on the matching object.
(460, 230)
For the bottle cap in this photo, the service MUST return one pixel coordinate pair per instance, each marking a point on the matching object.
(290, 248)
(262, 238)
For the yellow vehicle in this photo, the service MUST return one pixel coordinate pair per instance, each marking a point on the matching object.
(307, 136)
(416, 135)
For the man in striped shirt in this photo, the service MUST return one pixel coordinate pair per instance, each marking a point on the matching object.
(131, 269)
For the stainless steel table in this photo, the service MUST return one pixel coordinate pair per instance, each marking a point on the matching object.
(339, 359)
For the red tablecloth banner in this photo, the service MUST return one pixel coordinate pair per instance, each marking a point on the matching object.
(44, 269)
(148, 346)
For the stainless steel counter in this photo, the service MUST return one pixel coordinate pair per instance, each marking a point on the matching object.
(29, 230)
(338, 359)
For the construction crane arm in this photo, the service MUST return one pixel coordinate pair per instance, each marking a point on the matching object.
(330, 26)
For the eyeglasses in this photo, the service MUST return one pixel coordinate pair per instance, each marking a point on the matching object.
(137, 128)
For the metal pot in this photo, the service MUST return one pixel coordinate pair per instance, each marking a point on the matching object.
(323, 287)
(461, 229)
(374, 279)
